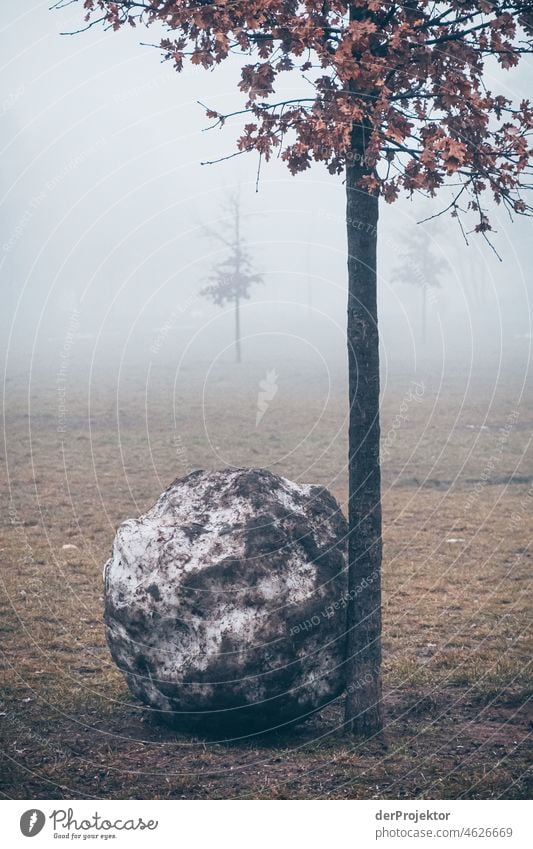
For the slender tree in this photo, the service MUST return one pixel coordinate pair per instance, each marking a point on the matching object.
(396, 97)
(421, 266)
(232, 279)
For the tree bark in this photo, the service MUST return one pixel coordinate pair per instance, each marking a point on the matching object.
(363, 707)
(238, 357)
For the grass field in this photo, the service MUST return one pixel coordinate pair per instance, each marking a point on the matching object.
(458, 508)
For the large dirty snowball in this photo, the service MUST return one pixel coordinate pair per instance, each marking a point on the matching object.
(225, 603)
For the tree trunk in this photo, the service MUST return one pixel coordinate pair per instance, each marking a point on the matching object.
(238, 358)
(363, 708)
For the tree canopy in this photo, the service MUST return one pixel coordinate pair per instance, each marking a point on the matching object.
(411, 75)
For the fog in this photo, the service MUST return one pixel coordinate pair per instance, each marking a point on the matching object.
(104, 205)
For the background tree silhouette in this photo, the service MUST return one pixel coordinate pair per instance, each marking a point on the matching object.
(232, 279)
(422, 266)
(394, 96)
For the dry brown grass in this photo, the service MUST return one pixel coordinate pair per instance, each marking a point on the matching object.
(456, 614)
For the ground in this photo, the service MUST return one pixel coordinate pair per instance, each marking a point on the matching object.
(458, 499)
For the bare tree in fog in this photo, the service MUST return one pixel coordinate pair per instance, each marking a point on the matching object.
(422, 266)
(232, 278)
